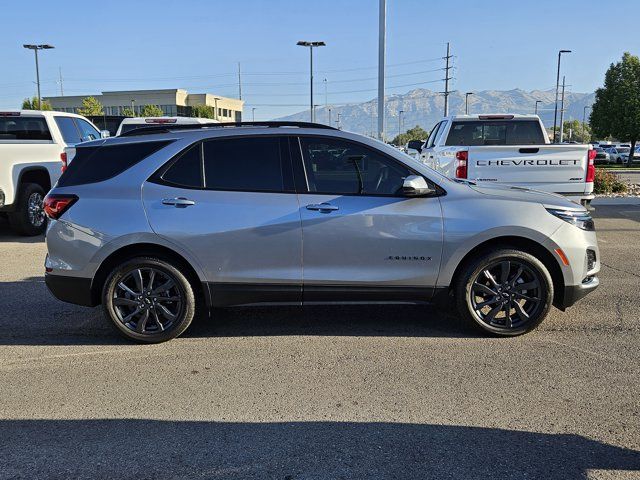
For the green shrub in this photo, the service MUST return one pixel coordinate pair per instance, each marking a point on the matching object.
(608, 182)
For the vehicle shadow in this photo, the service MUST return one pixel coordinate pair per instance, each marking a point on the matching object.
(8, 235)
(30, 315)
(142, 448)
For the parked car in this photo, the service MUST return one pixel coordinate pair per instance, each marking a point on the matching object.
(192, 216)
(131, 123)
(634, 159)
(617, 154)
(602, 156)
(32, 147)
(509, 149)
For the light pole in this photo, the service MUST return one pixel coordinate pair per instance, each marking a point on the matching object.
(253, 114)
(400, 121)
(466, 102)
(535, 110)
(329, 112)
(555, 110)
(133, 109)
(311, 45)
(35, 49)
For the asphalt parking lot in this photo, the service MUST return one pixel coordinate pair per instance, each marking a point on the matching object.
(324, 392)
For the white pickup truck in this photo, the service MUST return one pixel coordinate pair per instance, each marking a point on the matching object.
(32, 156)
(510, 149)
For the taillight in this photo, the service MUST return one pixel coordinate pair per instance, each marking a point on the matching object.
(462, 158)
(591, 168)
(56, 204)
(63, 159)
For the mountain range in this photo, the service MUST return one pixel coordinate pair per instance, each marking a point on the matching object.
(424, 107)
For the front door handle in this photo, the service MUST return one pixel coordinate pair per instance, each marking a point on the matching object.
(322, 207)
(179, 202)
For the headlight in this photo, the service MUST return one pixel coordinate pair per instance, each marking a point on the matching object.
(580, 219)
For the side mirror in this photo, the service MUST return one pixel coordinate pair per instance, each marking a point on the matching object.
(104, 134)
(416, 186)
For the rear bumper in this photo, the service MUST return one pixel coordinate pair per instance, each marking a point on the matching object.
(70, 289)
(573, 293)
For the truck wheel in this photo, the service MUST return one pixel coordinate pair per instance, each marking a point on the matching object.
(29, 218)
(505, 292)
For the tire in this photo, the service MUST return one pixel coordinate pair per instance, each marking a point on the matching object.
(29, 219)
(485, 306)
(154, 313)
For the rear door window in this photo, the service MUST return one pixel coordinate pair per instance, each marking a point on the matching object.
(93, 164)
(491, 132)
(14, 127)
(186, 170)
(69, 130)
(245, 164)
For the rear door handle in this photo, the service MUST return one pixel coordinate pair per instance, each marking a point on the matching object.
(322, 207)
(179, 202)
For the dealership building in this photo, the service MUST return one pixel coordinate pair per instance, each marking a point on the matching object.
(174, 102)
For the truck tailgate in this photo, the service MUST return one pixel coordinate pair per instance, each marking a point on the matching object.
(551, 168)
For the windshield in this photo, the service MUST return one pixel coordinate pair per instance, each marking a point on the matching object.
(492, 132)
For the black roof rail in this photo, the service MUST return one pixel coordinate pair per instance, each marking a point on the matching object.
(151, 129)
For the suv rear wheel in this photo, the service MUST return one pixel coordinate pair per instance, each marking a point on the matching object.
(148, 300)
(504, 292)
(29, 218)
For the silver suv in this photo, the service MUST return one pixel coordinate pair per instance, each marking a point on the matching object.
(164, 221)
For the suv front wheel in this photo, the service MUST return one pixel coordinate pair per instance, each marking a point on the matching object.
(505, 292)
(148, 300)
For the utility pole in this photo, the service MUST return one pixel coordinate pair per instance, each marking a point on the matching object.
(535, 110)
(562, 112)
(555, 110)
(329, 112)
(584, 123)
(61, 89)
(239, 83)
(253, 114)
(326, 103)
(382, 33)
(446, 81)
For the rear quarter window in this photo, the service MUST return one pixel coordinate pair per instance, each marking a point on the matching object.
(93, 164)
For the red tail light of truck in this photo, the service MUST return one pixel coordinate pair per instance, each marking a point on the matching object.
(462, 159)
(591, 168)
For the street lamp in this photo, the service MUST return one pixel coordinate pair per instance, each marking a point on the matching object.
(466, 102)
(311, 45)
(535, 110)
(35, 49)
(555, 111)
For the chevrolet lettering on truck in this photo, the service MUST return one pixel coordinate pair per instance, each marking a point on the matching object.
(510, 149)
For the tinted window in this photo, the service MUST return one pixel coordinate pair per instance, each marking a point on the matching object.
(495, 133)
(248, 164)
(87, 132)
(336, 166)
(68, 130)
(98, 163)
(24, 128)
(186, 171)
(432, 136)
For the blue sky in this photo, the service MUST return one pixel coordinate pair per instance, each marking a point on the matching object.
(196, 44)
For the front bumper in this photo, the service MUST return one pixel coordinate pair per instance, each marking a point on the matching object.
(70, 289)
(573, 293)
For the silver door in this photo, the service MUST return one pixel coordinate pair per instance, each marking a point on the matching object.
(245, 240)
(369, 238)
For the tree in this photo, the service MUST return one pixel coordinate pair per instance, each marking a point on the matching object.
(203, 111)
(90, 106)
(616, 111)
(32, 104)
(151, 111)
(127, 112)
(574, 131)
(416, 133)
